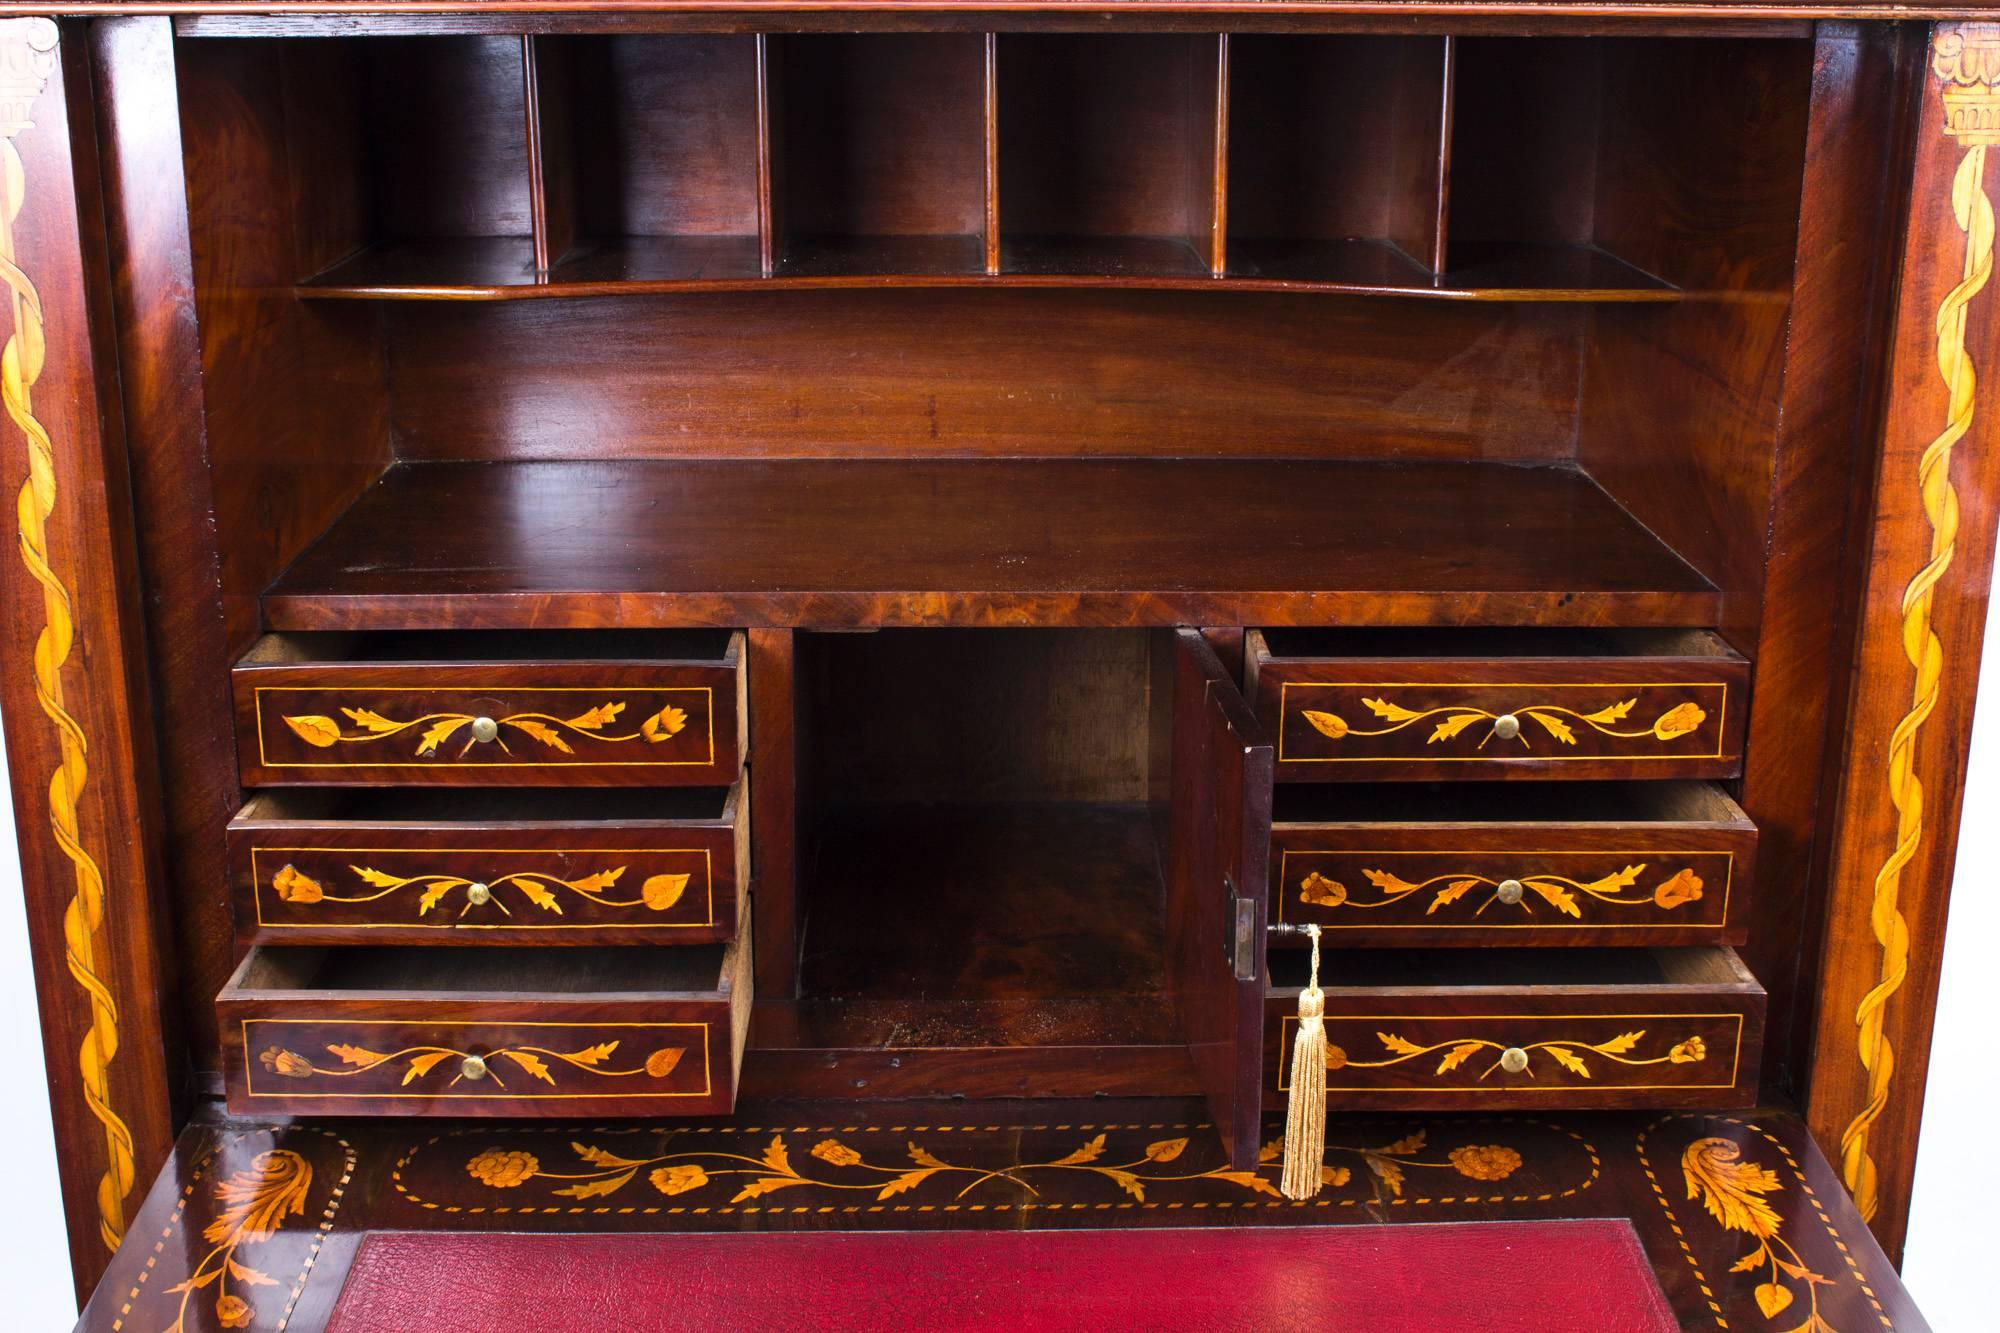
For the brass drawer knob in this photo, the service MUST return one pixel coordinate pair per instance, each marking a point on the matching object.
(1509, 891)
(479, 894)
(1513, 1059)
(474, 1068)
(484, 729)
(1506, 726)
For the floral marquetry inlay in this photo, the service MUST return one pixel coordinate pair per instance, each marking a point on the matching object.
(657, 893)
(1621, 887)
(1571, 1055)
(421, 1062)
(254, 1204)
(365, 725)
(1557, 722)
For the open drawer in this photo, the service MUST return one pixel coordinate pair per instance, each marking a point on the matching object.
(486, 1032)
(534, 708)
(566, 866)
(1634, 863)
(1360, 705)
(1498, 1029)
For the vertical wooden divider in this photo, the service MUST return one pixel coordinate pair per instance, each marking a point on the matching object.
(770, 116)
(1218, 229)
(992, 113)
(774, 804)
(551, 151)
(1441, 227)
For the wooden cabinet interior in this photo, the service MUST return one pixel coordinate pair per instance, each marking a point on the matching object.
(1018, 349)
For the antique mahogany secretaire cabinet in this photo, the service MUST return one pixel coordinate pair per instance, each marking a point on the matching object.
(729, 617)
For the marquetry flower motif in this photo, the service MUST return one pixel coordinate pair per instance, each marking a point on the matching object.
(1316, 890)
(255, 1203)
(1733, 1191)
(836, 1152)
(678, 1179)
(1556, 722)
(1684, 887)
(546, 729)
(1559, 892)
(295, 887)
(1570, 1054)
(1486, 1161)
(1678, 721)
(419, 1061)
(503, 1170)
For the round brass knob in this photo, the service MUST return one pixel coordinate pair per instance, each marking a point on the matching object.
(1506, 726)
(479, 895)
(1509, 891)
(1513, 1059)
(484, 729)
(472, 1067)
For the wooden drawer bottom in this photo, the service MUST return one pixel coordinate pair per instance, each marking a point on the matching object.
(489, 1032)
(1504, 1029)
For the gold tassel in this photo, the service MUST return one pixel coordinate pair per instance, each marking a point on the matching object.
(1305, 1112)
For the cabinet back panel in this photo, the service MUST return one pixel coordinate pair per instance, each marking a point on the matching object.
(941, 373)
(447, 125)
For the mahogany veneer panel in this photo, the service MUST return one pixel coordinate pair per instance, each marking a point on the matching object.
(1503, 1029)
(831, 543)
(569, 866)
(1516, 864)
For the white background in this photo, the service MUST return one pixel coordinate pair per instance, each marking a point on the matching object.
(1953, 1226)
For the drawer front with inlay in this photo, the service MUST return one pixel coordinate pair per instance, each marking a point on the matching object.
(1646, 1042)
(489, 722)
(333, 868)
(303, 1044)
(1636, 871)
(1673, 713)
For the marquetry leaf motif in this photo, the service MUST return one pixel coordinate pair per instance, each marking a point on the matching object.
(355, 1055)
(592, 1189)
(315, 730)
(1386, 1171)
(599, 881)
(922, 1158)
(369, 875)
(370, 720)
(1387, 882)
(1407, 1145)
(1756, 1259)
(1327, 724)
(1126, 1181)
(593, 1055)
(534, 1064)
(1398, 1044)
(599, 1157)
(423, 1064)
(1249, 1180)
(775, 1156)
(248, 1276)
(542, 732)
(765, 1185)
(661, 892)
(1614, 713)
(433, 895)
(1624, 879)
(1557, 896)
(439, 732)
(1166, 1150)
(1389, 712)
(1450, 894)
(1555, 726)
(1772, 1298)
(906, 1182)
(256, 1201)
(596, 717)
(1451, 726)
(1621, 1043)
(1569, 1060)
(536, 894)
(1089, 1152)
(1457, 1056)
(1730, 1188)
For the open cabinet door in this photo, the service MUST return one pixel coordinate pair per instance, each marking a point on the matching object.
(1218, 857)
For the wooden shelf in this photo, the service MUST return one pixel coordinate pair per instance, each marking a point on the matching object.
(821, 542)
(503, 268)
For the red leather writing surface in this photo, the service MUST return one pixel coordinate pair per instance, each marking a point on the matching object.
(1495, 1277)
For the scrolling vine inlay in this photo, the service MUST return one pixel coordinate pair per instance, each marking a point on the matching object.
(1559, 892)
(325, 733)
(658, 893)
(1680, 720)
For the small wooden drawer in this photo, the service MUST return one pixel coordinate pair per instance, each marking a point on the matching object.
(612, 707)
(1513, 864)
(1509, 1029)
(1353, 705)
(486, 1032)
(581, 866)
